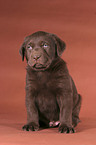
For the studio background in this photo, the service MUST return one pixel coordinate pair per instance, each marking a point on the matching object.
(74, 21)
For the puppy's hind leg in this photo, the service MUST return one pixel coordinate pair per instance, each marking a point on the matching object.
(76, 110)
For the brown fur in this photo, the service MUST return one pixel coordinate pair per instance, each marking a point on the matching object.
(51, 95)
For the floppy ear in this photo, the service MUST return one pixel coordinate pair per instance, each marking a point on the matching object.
(22, 51)
(60, 45)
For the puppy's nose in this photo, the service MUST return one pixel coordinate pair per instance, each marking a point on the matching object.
(36, 57)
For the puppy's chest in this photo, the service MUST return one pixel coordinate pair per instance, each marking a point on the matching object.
(46, 99)
(46, 82)
(42, 80)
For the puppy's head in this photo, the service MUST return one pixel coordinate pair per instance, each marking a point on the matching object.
(40, 49)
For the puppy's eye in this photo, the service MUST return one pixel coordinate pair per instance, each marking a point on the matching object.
(30, 47)
(45, 45)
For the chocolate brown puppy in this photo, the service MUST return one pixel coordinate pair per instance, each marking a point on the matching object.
(51, 95)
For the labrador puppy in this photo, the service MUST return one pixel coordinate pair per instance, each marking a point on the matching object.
(51, 95)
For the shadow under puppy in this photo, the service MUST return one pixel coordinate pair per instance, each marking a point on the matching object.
(51, 95)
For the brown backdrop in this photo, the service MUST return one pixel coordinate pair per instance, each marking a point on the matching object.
(75, 22)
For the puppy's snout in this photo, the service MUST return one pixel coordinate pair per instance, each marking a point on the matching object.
(36, 54)
(36, 57)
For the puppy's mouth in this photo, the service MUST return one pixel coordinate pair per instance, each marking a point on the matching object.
(39, 66)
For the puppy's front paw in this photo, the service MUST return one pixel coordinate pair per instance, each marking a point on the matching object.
(65, 129)
(31, 126)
